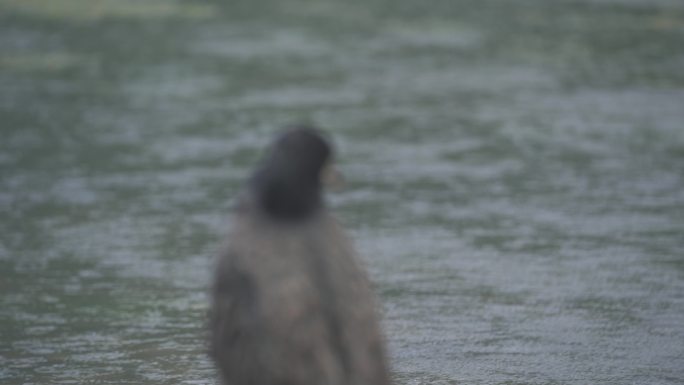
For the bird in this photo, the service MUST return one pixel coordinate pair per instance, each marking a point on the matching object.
(290, 302)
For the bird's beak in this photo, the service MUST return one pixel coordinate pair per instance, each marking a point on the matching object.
(331, 177)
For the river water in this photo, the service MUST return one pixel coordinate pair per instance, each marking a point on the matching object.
(515, 179)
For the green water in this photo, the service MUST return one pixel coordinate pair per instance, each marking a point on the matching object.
(515, 178)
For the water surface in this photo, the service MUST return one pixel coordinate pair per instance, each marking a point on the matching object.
(515, 179)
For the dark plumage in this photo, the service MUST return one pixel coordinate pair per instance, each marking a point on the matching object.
(291, 306)
(288, 184)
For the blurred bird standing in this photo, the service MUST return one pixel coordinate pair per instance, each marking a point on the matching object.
(291, 305)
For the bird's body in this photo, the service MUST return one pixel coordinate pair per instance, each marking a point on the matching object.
(291, 305)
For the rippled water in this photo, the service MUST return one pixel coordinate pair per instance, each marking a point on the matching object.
(515, 178)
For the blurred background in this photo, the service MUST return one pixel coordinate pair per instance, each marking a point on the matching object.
(515, 178)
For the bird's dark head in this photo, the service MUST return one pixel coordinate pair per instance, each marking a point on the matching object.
(287, 186)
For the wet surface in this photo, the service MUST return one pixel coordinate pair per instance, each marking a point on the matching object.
(515, 179)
